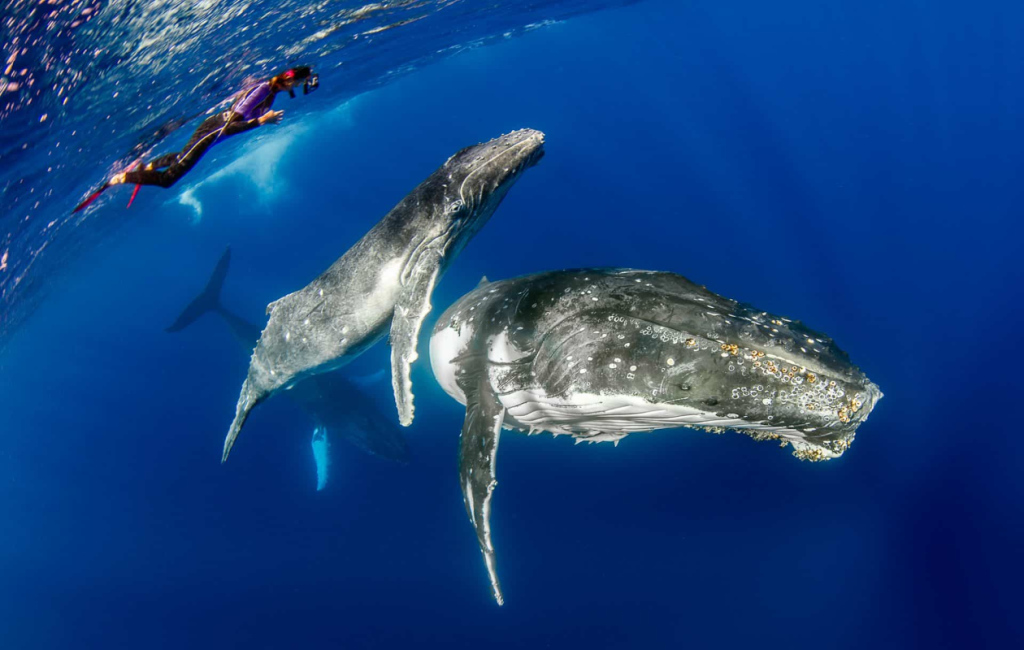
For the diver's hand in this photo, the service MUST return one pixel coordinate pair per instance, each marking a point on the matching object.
(271, 117)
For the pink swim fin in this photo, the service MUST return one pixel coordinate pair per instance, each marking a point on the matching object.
(134, 193)
(92, 197)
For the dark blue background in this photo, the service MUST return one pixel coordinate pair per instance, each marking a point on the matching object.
(854, 165)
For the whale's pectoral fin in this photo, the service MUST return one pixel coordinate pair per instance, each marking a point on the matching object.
(412, 307)
(477, 453)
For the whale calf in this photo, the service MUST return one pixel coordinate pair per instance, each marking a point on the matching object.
(601, 353)
(384, 282)
(336, 405)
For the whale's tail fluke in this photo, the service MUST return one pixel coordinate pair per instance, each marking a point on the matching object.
(209, 299)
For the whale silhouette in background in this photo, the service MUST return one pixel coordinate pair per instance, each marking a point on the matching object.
(337, 406)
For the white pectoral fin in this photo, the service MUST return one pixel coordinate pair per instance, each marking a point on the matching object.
(477, 454)
(412, 307)
(321, 456)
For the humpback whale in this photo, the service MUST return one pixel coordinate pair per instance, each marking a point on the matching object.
(598, 354)
(384, 282)
(335, 404)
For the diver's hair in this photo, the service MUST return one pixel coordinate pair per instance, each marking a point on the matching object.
(301, 71)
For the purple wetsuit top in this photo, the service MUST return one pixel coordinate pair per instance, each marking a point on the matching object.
(255, 102)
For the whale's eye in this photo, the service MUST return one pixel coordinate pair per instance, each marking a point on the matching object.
(454, 207)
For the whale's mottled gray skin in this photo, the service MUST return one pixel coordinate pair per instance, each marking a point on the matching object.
(334, 403)
(385, 280)
(601, 353)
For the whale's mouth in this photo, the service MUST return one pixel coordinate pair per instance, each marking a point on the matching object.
(536, 155)
(533, 143)
(525, 148)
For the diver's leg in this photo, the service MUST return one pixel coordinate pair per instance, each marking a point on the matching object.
(185, 160)
(177, 164)
(163, 161)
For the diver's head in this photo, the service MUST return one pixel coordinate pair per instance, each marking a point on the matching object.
(288, 80)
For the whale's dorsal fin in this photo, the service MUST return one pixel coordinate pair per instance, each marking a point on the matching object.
(412, 307)
(483, 282)
(273, 305)
(478, 450)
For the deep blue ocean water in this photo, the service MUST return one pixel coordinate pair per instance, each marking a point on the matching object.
(853, 165)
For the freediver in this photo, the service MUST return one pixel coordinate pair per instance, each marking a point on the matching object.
(249, 109)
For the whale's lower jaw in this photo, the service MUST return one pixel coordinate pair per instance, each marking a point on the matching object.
(591, 417)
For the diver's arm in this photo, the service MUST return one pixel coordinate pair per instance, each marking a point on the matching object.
(238, 125)
(270, 117)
